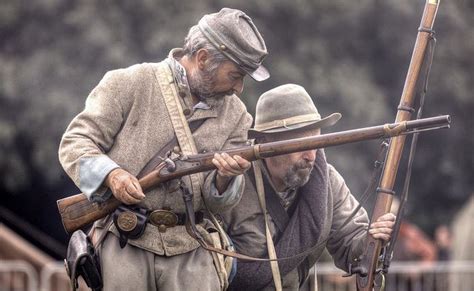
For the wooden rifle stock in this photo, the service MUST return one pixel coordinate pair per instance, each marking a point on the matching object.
(77, 211)
(367, 268)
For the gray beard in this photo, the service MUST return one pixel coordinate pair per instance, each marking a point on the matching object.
(298, 175)
(201, 85)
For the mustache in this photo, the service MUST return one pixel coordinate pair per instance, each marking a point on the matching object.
(304, 165)
(298, 174)
(219, 95)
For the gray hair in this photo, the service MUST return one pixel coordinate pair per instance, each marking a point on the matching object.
(195, 40)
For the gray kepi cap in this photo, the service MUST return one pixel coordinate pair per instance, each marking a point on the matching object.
(233, 33)
(288, 108)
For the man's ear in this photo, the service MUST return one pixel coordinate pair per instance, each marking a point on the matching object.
(202, 56)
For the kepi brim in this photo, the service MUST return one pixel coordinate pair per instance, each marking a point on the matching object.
(260, 74)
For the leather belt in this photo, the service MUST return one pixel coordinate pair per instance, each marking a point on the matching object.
(164, 219)
(131, 221)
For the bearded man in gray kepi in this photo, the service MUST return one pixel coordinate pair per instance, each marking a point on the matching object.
(306, 201)
(132, 116)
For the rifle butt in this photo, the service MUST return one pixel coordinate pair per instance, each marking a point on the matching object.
(77, 211)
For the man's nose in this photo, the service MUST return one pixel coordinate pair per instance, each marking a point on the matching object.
(310, 155)
(238, 87)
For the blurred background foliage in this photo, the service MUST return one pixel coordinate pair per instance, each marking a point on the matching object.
(351, 56)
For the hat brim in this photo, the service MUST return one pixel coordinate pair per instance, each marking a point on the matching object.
(260, 74)
(325, 122)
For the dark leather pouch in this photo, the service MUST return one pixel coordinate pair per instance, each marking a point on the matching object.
(83, 260)
(130, 222)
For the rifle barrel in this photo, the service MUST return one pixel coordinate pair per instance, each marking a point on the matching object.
(370, 257)
(77, 211)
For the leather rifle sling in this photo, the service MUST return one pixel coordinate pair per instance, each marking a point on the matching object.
(270, 245)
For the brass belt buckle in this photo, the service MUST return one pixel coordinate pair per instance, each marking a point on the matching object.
(163, 219)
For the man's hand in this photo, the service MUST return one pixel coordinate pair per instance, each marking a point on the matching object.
(382, 228)
(228, 167)
(124, 186)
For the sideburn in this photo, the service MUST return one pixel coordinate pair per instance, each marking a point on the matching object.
(201, 83)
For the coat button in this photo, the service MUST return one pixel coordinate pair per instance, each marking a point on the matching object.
(182, 94)
(187, 112)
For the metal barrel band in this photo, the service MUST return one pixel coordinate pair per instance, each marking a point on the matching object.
(396, 130)
(256, 151)
(428, 30)
(387, 191)
(406, 108)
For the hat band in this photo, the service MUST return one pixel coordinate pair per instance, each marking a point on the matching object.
(288, 121)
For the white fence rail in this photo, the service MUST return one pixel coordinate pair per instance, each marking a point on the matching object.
(402, 276)
(21, 276)
(406, 276)
(18, 275)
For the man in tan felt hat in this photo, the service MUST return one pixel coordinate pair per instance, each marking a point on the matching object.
(135, 112)
(306, 200)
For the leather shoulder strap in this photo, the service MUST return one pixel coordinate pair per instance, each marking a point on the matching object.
(180, 125)
(270, 245)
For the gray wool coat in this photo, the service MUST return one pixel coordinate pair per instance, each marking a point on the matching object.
(125, 122)
(246, 228)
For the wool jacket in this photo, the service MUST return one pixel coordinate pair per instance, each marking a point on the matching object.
(125, 122)
(322, 206)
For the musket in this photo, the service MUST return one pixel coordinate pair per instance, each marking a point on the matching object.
(367, 267)
(77, 211)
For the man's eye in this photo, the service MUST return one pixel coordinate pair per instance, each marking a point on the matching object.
(235, 77)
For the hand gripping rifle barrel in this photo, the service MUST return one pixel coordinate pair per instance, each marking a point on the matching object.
(77, 211)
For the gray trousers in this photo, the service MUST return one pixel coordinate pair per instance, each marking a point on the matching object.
(132, 268)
